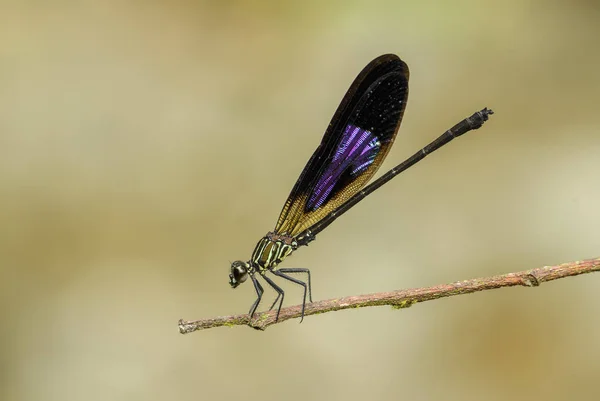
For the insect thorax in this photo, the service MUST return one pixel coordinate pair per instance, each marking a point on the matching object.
(271, 250)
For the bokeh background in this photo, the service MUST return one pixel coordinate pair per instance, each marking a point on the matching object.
(144, 145)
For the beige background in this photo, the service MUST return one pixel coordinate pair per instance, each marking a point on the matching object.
(146, 144)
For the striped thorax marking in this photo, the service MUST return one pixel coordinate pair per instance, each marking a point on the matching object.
(271, 250)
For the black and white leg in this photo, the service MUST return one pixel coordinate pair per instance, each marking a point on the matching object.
(274, 302)
(259, 292)
(296, 270)
(281, 274)
(280, 293)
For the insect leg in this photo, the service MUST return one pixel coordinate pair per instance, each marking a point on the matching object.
(259, 292)
(293, 280)
(279, 292)
(296, 270)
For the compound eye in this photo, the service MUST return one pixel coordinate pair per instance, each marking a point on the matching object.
(238, 274)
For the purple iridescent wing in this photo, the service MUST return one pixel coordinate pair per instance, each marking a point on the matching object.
(355, 144)
(355, 153)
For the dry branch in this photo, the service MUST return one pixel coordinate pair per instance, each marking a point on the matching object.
(402, 298)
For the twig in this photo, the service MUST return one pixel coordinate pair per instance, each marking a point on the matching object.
(402, 298)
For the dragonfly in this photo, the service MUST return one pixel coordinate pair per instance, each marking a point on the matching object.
(355, 144)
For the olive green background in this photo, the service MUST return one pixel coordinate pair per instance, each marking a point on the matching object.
(144, 145)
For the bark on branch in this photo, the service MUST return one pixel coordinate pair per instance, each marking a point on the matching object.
(401, 298)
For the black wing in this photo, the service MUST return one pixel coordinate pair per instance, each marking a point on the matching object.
(355, 144)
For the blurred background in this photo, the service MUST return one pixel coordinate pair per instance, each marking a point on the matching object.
(146, 145)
